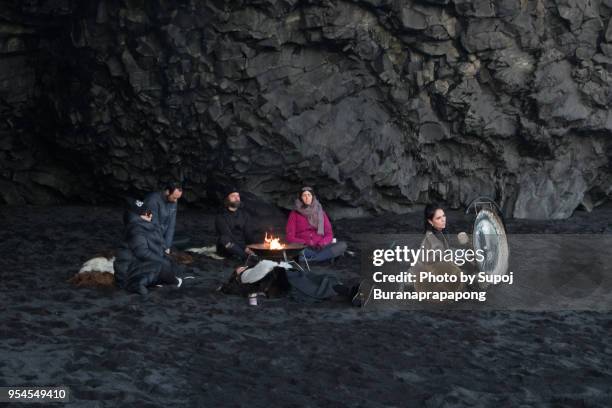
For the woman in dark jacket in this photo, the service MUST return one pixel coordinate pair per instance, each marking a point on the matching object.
(141, 261)
(436, 239)
(434, 226)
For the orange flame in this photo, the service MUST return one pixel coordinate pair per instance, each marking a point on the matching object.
(273, 243)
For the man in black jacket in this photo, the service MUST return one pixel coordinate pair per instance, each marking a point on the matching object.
(163, 204)
(141, 261)
(234, 227)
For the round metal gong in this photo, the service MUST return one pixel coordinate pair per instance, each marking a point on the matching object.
(489, 237)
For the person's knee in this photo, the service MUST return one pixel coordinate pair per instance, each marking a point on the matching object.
(141, 286)
(309, 254)
(338, 248)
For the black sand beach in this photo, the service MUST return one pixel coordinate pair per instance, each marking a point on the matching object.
(196, 347)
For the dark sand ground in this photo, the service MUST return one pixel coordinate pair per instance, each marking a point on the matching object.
(196, 347)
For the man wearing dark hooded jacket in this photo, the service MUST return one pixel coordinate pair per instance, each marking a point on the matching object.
(163, 204)
(234, 227)
(141, 262)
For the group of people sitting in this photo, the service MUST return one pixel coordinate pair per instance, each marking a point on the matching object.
(308, 224)
(144, 258)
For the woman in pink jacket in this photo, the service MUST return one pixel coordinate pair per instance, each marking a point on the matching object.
(309, 225)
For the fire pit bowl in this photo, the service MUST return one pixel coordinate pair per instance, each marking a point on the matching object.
(289, 252)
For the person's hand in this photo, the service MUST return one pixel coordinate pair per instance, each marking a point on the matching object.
(249, 251)
(241, 269)
(463, 238)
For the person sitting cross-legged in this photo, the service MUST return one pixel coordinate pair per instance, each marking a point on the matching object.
(308, 224)
(234, 227)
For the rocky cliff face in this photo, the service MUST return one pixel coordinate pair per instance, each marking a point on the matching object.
(378, 104)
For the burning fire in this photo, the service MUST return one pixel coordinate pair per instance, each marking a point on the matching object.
(273, 243)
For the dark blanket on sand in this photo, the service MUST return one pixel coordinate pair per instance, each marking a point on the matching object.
(194, 346)
(310, 286)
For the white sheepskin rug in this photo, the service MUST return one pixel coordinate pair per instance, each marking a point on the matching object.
(99, 264)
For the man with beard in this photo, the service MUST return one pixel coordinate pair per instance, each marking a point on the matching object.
(234, 227)
(163, 204)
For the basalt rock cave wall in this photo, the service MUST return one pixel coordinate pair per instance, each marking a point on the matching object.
(381, 105)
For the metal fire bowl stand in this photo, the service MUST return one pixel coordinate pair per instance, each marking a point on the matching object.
(288, 253)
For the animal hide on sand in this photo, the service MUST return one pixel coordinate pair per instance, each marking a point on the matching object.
(97, 272)
(99, 264)
(93, 279)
